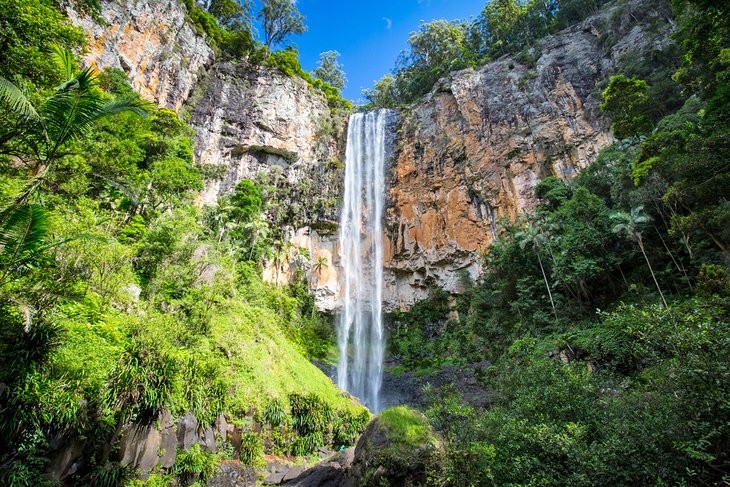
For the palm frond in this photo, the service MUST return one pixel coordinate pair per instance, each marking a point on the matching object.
(132, 104)
(70, 111)
(14, 97)
(64, 61)
(23, 233)
(20, 199)
(64, 241)
(75, 106)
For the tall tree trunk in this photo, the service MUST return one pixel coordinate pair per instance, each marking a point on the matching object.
(641, 246)
(547, 285)
(679, 267)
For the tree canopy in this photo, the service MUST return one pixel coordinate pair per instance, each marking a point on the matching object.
(280, 19)
(330, 70)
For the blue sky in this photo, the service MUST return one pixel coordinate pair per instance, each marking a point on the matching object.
(369, 34)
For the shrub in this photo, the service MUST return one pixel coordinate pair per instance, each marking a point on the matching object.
(349, 426)
(252, 449)
(196, 464)
(275, 412)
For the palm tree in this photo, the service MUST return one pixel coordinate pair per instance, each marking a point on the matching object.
(628, 224)
(281, 252)
(38, 135)
(536, 238)
(321, 264)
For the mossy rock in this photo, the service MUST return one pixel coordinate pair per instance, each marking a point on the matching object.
(398, 448)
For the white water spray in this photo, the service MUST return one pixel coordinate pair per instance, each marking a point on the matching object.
(360, 334)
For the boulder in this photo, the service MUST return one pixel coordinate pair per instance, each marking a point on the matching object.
(233, 474)
(398, 448)
(145, 446)
(64, 460)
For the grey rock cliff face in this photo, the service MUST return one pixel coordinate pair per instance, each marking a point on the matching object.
(254, 122)
(152, 41)
(251, 119)
(473, 149)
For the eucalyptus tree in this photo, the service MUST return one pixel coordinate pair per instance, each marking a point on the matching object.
(534, 236)
(280, 20)
(629, 224)
(330, 70)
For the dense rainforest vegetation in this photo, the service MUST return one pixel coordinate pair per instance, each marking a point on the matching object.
(604, 312)
(120, 299)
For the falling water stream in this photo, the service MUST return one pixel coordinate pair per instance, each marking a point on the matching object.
(361, 338)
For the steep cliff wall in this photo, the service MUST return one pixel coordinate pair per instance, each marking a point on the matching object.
(250, 121)
(468, 154)
(152, 41)
(472, 150)
(259, 123)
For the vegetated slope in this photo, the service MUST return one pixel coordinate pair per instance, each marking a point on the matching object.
(134, 324)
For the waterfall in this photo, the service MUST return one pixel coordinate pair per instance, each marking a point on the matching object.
(360, 334)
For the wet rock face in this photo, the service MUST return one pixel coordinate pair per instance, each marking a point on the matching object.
(471, 152)
(152, 41)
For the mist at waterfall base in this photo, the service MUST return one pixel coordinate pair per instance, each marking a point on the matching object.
(360, 331)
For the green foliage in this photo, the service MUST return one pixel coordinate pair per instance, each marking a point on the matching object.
(310, 414)
(348, 427)
(287, 61)
(633, 421)
(142, 383)
(27, 28)
(226, 24)
(407, 428)
(704, 36)
(232, 14)
(625, 100)
(424, 337)
(280, 20)
(252, 449)
(110, 475)
(713, 279)
(275, 412)
(330, 71)
(245, 201)
(196, 464)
